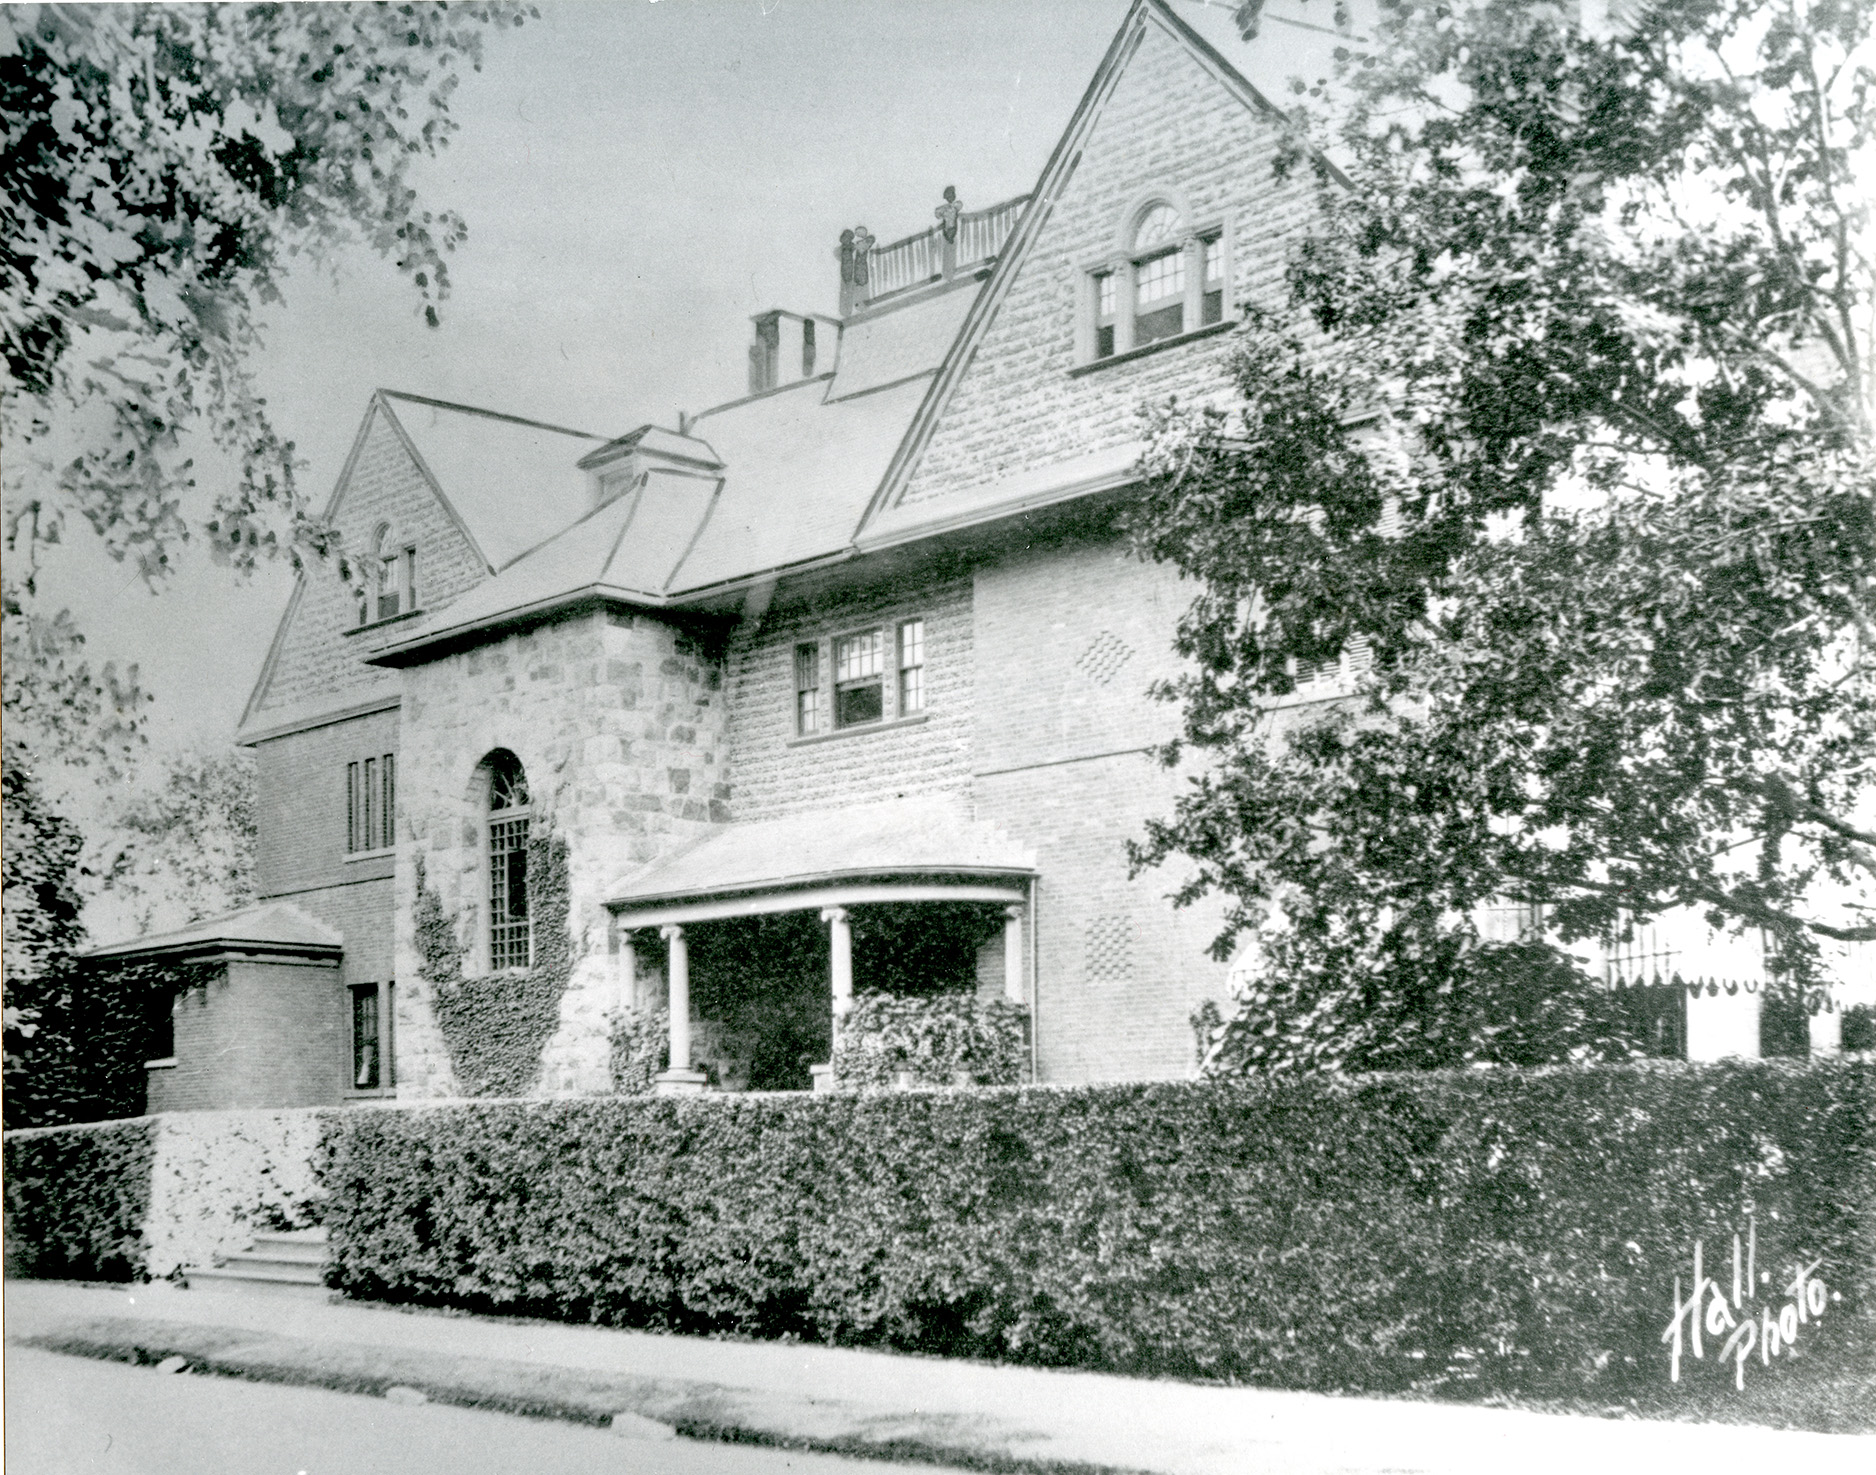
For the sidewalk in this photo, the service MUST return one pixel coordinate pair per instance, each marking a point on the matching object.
(873, 1403)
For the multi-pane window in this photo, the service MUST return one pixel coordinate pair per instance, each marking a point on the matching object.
(859, 678)
(371, 1037)
(393, 583)
(371, 804)
(510, 932)
(1212, 298)
(809, 714)
(1171, 281)
(1105, 293)
(1159, 295)
(911, 667)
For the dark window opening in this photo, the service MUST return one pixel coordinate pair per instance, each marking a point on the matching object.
(159, 1025)
(372, 1067)
(1212, 298)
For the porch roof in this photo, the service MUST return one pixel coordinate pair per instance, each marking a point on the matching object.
(272, 929)
(806, 859)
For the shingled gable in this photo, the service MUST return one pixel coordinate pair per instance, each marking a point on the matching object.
(889, 520)
(469, 463)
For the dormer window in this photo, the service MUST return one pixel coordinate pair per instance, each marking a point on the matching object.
(1168, 279)
(391, 588)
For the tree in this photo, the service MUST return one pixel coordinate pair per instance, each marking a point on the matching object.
(1563, 433)
(161, 168)
(182, 849)
(40, 915)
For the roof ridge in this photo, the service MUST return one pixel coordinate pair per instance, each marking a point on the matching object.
(443, 404)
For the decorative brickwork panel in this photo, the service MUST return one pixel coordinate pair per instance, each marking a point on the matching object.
(1101, 662)
(1169, 122)
(773, 773)
(318, 665)
(1107, 951)
(1069, 638)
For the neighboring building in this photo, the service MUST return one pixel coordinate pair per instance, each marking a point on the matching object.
(840, 685)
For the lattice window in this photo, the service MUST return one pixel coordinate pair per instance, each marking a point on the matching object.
(510, 931)
(1102, 660)
(1108, 950)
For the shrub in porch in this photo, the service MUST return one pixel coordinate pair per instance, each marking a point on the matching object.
(934, 1038)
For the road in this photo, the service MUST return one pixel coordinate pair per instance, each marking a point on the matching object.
(71, 1416)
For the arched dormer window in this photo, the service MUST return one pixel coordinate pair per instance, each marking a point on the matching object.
(391, 578)
(511, 937)
(1165, 279)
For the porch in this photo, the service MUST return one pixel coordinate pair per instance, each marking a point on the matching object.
(761, 938)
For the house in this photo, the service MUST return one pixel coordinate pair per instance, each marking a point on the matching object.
(838, 688)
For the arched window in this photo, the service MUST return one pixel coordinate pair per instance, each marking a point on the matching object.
(391, 578)
(1167, 279)
(510, 932)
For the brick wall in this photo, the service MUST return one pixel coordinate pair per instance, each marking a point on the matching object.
(318, 662)
(1069, 637)
(774, 773)
(1168, 122)
(618, 721)
(258, 1034)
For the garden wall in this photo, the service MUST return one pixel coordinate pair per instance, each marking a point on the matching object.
(142, 1198)
(1501, 1228)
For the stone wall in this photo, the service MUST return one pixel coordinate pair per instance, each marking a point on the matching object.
(618, 720)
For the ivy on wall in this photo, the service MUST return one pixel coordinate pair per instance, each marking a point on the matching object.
(641, 1048)
(496, 1025)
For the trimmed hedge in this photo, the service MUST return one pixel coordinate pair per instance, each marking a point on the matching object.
(149, 1196)
(77, 1199)
(1509, 1229)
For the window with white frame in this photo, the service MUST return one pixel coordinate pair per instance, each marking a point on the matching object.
(391, 579)
(860, 678)
(1169, 279)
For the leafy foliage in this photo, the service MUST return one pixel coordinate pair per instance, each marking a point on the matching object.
(183, 849)
(1562, 439)
(933, 1038)
(640, 1048)
(496, 1025)
(1498, 1230)
(77, 1199)
(162, 167)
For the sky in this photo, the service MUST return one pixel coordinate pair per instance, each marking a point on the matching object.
(639, 177)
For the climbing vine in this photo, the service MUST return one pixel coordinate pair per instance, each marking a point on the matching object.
(641, 1048)
(932, 1039)
(496, 1025)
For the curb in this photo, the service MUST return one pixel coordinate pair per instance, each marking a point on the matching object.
(633, 1405)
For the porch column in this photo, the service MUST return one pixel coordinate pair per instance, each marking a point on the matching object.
(679, 1078)
(626, 975)
(1013, 989)
(840, 952)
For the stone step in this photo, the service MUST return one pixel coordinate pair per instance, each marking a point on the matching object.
(296, 1251)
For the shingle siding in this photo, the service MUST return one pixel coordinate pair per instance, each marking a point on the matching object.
(1168, 122)
(318, 663)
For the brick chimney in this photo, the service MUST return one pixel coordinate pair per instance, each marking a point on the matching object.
(790, 347)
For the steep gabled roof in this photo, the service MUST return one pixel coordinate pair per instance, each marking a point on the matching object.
(1056, 176)
(513, 483)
